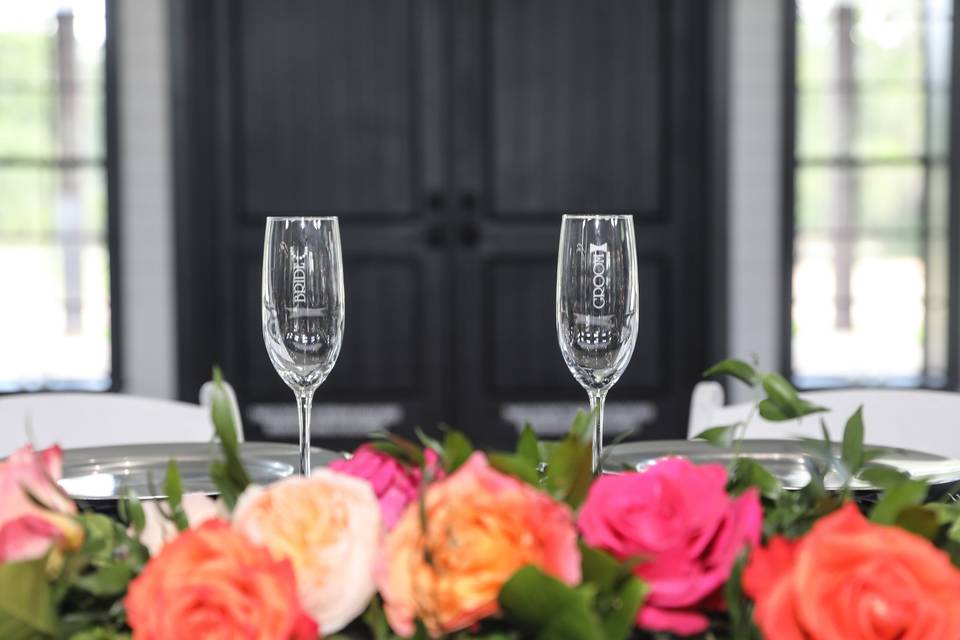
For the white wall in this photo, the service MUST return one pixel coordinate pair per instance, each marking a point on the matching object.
(146, 216)
(754, 191)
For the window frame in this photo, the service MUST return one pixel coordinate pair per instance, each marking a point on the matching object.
(788, 194)
(111, 168)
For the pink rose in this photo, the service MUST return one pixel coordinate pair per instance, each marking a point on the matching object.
(395, 484)
(28, 531)
(677, 517)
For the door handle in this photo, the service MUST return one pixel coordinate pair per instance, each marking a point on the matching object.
(468, 201)
(435, 236)
(469, 234)
(436, 201)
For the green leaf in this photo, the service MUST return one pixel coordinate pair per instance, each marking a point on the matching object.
(919, 520)
(546, 608)
(806, 408)
(109, 580)
(896, 499)
(428, 442)
(515, 465)
(224, 483)
(739, 607)
(405, 451)
(620, 593)
(456, 450)
(26, 606)
(747, 472)
(782, 401)
(570, 470)
(173, 488)
(229, 475)
(882, 477)
(852, 448)
(736, 368)
(718, 436)
(781, 392)
(527, 446)
(376, 620)
(582, 425)
(773, 413)
(620, 612)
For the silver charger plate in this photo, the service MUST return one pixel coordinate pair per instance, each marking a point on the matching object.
(786, 459)
(105, 473)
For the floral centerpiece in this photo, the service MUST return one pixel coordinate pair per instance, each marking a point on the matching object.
(433, 538)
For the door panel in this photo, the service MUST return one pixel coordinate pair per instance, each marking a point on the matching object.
(326, 108)
(336, 130)
(574, 106)
(449, 136)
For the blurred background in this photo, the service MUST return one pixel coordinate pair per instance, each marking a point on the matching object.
(788, 164)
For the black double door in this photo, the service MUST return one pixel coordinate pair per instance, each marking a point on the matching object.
(449, 137)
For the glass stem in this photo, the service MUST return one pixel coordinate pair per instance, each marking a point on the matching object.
(304, 402)
(597, 399)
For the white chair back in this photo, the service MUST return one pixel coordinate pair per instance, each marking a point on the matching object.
(911, 418)
(75, 420)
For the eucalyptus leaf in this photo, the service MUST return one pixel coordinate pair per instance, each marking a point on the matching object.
(230, 475)
(570, 470)
(882, 476)
(747, 472)
(781, 392)
(456, 450)
(736, 368)
(852, 447)
(527, 445)
(582, 426)
(718, 436)
(772, 412)
(428, 442)
(515, 465)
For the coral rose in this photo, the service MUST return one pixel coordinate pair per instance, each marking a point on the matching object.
(328, 525)
(678, 519)
(158, 530)
(853, 579)
(481, 526)
(395, 483)
(27, 530)
(212, 582)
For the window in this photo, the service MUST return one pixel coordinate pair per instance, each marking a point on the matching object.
(870, 193)
(55, 326)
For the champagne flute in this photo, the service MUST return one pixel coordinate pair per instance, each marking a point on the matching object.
(597, 305)
(302, 308)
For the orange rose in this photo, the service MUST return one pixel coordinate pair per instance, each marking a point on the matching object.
(852, 579)
(211, 582)
(481, 527)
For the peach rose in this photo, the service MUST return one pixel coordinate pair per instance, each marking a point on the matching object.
(212, 582)
(482, 526)
(27, 530)
(158, 530)
(849, 578)
(328, 526)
